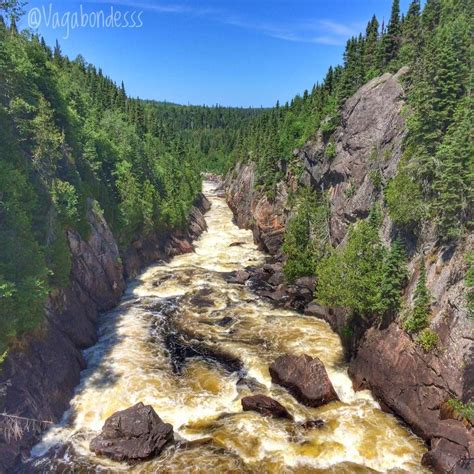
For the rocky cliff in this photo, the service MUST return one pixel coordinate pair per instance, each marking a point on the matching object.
(411, 383)
(38, 378)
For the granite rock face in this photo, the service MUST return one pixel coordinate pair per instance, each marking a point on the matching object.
(253, 210)
(368, 146)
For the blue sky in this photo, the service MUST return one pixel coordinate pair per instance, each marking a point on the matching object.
(231, 52)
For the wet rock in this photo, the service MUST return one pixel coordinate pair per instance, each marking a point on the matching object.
(266, 406)
(225, 321)
(136, 433)
(201, 302)
(278, 296)
(162, 279)
(182, 346)
(236, 244)
(257, 283)
(448, 457)
(277, 278)
(251, 383)
(311, 424)
(239, 277)
(195, 443)
(305, 378)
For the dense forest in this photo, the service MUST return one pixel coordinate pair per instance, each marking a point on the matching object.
(209, 134)
(71, 138)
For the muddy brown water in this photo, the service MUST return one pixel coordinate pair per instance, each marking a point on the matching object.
(192, 345)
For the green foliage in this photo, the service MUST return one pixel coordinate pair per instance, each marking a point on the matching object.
(466, 410)
(69, 136)
(394, 277)
(439, 84)
(330, 150)
(455, 174)
(306, 235)
(66, 200)
(376, 179)
(352, 276)
(350, 190)
(404, 200)
(427, 339)
(419, 316)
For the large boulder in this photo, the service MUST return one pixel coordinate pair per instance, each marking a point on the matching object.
(133, 434)
(305, 378)
(266, 406)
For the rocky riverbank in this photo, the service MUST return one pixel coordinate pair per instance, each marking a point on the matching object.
(38, 378)
(411, 383)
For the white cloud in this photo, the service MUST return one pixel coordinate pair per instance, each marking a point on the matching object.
(317, 31)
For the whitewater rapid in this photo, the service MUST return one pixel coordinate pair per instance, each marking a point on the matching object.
(189, 298)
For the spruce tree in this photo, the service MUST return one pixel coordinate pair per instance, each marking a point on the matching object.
(391, 40)
(418, 319)
(394, 277)
(454, 175)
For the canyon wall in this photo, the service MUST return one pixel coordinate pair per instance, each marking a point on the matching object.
(411, 383)
(38, 378)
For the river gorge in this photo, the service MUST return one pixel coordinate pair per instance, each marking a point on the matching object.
(191, 344)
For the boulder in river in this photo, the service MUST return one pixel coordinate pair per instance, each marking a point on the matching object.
(305, 378)
(133, 434)
(266, 406)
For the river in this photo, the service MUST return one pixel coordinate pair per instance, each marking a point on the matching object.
(189, 299)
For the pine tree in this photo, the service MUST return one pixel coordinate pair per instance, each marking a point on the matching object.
(307, 235)
(57, 54)
(351, 277)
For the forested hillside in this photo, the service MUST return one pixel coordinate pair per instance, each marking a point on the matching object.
(69, 135)
(209, 134)
(433, 183)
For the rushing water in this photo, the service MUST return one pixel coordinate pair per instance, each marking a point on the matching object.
(189, 299)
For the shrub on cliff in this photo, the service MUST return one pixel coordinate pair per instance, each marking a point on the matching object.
(418, 318)
(363, 275)
(427, 339)
(404, 200)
